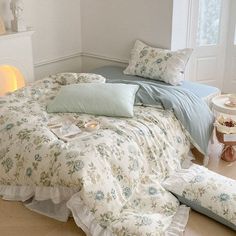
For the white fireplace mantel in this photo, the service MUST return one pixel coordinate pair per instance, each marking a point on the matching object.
(16, 50)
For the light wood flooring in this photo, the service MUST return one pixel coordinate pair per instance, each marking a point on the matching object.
(16, 220)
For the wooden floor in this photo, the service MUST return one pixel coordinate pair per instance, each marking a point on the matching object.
(16, 220)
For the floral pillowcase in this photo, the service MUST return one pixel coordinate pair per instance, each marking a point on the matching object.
(158, 64)
(75, 78)
(206, 192)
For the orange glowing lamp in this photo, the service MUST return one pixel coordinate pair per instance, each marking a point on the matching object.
(11, 79)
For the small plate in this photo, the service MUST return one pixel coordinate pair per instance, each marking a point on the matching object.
(229, 104)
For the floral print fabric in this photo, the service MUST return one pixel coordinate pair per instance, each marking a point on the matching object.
(158, 64)
(208, 190)
(74, 78)
(116, 170)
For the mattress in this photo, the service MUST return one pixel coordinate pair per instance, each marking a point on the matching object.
(201, 90)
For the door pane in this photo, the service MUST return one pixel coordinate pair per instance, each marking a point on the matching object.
(209, 22)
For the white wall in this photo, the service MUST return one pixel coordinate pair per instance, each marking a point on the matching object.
(110, 27)
(57, 38)
(103, 31)
(180, 21)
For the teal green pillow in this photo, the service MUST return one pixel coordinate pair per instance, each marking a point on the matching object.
(96, 99)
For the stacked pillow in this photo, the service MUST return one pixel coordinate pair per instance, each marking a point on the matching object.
(158, 64)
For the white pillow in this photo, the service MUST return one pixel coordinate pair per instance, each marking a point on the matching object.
(75, 78)
(206, 192)
(158, 64)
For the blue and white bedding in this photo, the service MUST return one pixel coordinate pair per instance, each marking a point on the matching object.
(185, 101)
(201, 90)
(190, 110)
(109, 180)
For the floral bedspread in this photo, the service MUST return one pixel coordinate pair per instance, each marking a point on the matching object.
(116, 170)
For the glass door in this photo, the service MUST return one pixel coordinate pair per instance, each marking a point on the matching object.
(208, 31)
(208, 38)
(230, 74)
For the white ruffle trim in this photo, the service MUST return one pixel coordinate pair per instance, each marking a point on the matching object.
(47, 201)
(23, 193)
(88, 224)
(59, 202)
(16, 193)
(85, 219)
(179, 222)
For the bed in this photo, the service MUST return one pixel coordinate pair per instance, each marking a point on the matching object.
(204, 91)
(109, 180)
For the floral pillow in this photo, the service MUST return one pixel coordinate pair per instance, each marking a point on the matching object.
(75, 78)
(158, 64)
(206, 192)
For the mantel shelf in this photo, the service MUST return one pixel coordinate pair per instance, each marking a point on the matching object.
(10, 34)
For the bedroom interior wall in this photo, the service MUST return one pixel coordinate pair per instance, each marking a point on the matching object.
(57, 37)
(109, 28)
(91, 33)
(180, 24)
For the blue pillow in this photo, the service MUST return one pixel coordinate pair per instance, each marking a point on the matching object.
(96, 99)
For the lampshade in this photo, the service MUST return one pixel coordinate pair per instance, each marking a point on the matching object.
(11, 79)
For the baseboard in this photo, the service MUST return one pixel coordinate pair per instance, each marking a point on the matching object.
(104, 58)
(70, 62)
(58, 59)
(80, 54)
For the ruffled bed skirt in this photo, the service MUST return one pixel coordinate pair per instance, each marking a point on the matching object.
(60, 202)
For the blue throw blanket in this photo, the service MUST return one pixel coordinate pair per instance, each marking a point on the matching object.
(191, 111)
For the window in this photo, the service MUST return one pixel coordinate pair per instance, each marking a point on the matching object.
(209, 22)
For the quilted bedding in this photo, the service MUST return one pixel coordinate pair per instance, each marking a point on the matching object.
(115, 172)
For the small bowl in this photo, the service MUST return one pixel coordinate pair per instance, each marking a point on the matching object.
(92, 126)
(232, 98)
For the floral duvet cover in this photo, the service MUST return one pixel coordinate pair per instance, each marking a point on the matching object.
(115, 172)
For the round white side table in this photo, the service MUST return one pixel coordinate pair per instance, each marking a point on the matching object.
(228, 140)
(218, 104)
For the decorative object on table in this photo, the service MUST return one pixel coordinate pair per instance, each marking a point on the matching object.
(2, 27)
(232, 99)
(230, 104)
(220, 104)
(226, 134)
(18, 23)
